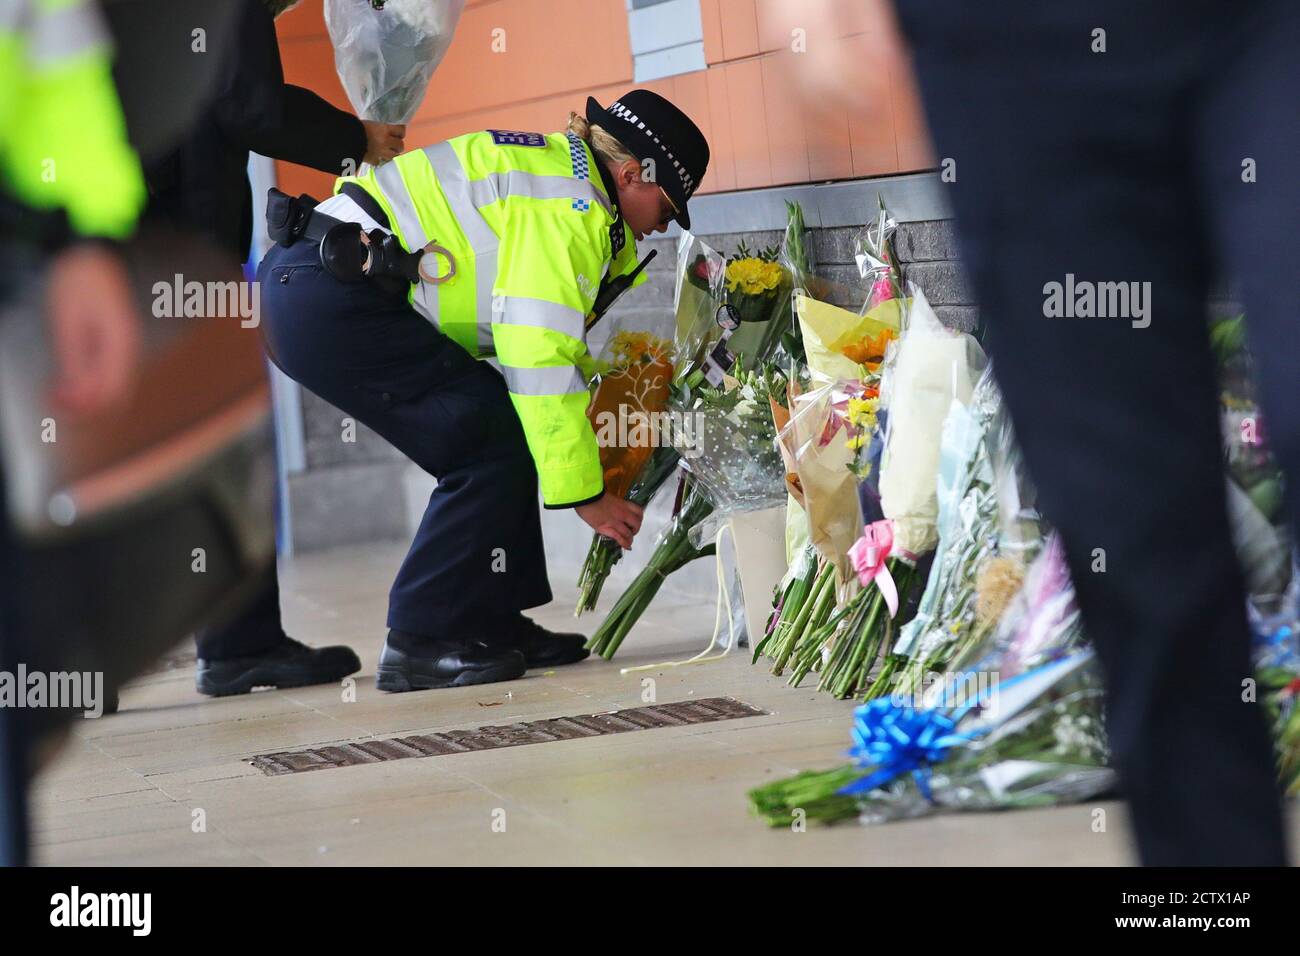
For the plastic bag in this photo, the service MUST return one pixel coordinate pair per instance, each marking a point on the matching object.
(386, 57)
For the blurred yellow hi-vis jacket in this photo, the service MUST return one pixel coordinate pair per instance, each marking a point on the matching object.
(63, 140)
(527, 218)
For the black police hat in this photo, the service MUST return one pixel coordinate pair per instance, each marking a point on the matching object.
(652, 128)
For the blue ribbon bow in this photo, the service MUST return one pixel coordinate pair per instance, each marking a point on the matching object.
(897, 739)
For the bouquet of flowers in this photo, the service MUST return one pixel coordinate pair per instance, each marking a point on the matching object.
(824, 438)
(702, 347)
(1016, 722)
(663, 375)
(987, 536)
(934, 369)
(736, 461)
(1034, 740)
(629, 404)
(735, 467)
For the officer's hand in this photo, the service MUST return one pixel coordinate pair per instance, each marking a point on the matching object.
(614, 517)
(383, 141)
(94, 328)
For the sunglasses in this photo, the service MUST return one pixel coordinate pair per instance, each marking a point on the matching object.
(672, 214)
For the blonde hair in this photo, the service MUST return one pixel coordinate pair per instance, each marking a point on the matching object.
(602, 142)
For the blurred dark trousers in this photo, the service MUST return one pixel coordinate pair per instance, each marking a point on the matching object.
(1130, 165)
(13, 733)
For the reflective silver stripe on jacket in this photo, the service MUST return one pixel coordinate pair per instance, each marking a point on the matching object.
(495, 186)
(389, 178)
(482, 240)
(520, 310)
(553, 380)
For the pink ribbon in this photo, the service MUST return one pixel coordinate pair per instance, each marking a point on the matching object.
(868, 556)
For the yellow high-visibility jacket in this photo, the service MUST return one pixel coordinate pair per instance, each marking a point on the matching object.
(63, 142)
(532, 230)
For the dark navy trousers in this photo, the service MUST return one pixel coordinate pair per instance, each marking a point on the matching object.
(478, 552)
(1171, 159)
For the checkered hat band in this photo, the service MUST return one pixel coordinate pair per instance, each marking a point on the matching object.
(622, 112)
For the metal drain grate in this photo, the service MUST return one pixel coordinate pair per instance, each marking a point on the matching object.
(703, 711)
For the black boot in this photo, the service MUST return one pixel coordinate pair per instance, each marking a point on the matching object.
(413, 662)
(286, 664)
(540, 647)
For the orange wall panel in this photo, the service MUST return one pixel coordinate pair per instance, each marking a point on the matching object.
(748, 124)
(748, 102)
(872, 139)
(722, 144)
(711, 22)
(787, 139)
(739, 28)
(915, 151)
(550, 47)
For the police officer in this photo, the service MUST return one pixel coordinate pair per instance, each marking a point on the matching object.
(383, 298)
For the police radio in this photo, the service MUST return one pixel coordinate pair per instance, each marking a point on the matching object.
(615, 287)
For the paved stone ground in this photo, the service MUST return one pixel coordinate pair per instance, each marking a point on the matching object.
(133, 788)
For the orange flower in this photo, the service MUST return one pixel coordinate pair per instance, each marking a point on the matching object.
(869, 350)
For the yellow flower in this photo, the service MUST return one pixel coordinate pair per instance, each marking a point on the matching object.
(854, 443)
(753, 276)
(862, 412)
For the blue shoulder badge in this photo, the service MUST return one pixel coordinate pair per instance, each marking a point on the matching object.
(508, 137)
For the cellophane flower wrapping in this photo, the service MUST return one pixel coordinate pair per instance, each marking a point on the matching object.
(1041, 621)
(1036, 732)
(630, 395)
(873, 250)
(1039, 741)
(985, 513)
(934, 367)
(967, 525)
(735, 460)
(820, 440)
(385, 58)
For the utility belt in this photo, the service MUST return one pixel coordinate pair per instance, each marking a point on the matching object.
(347, 251)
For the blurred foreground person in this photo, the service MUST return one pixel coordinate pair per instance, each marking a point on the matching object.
(203, 186)
(69, 179)
(1154, 146)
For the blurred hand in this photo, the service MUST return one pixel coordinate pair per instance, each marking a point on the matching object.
(614, 517)
(383, 141)
(94, 328)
